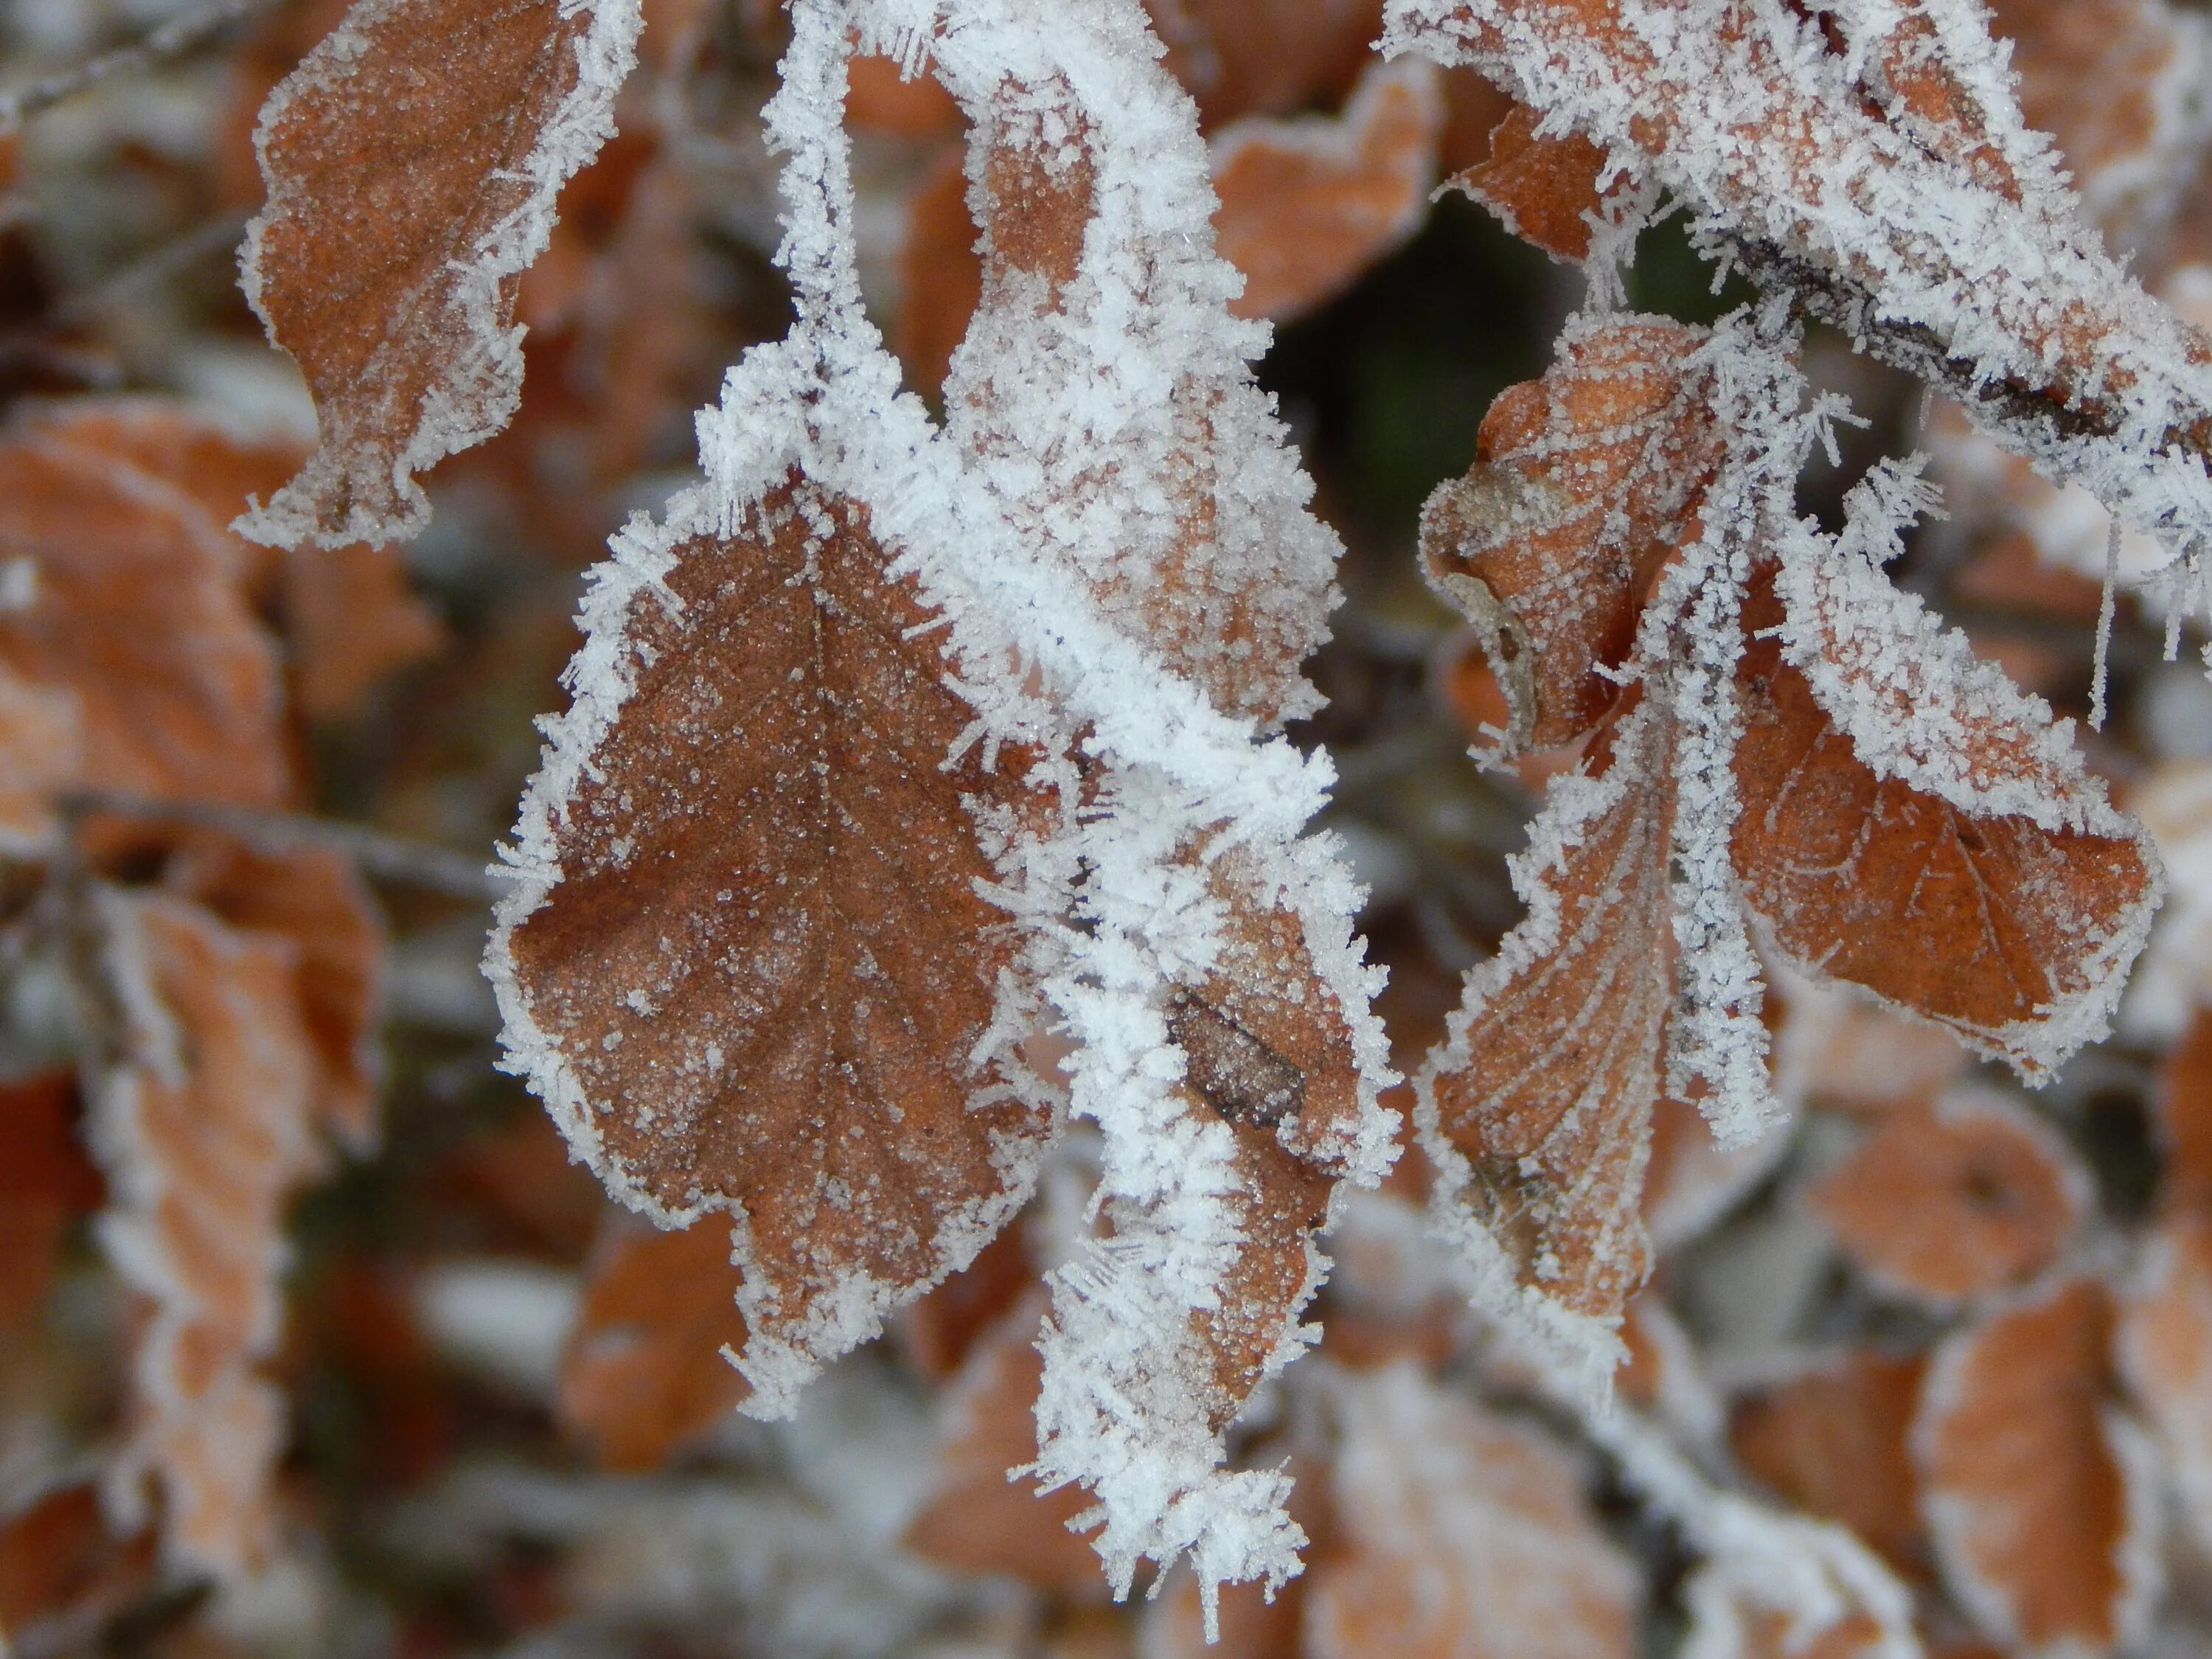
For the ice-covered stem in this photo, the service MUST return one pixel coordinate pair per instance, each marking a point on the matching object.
(1877, 173)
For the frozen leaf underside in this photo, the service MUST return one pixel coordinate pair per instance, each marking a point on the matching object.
(412, 161)
(1879, 175)
(767, 966)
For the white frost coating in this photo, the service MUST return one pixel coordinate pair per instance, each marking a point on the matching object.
(1006, 541)
(482, 387)
(1865, 221)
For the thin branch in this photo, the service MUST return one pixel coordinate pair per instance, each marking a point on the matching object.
(173, 38)
(391, 858)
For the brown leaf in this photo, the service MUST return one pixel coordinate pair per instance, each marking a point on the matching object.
(2164, 1348)
(1583, 483)
(978, 1520)
(881, 96)
(938, 1332)
(1537, 1110)
(351, 617)
(2036, 1492)
(2183, 1103)
(205, 1127)
(1544, 190)
(1945, 1203)
(411, 162)
(1308, 203)
(940, 276)
(758, 983)
(646, 1368)
(1462, 1536)
(59, 1556)
(1991, 924)
(136, 613)
(46, 1181)
(1832, 1440)
(313, 899)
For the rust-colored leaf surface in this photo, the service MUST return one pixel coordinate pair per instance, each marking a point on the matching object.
(1461, 1536)
(61, 1561)
(1537, 1110)
(206, 1129)
(2183, 1103)
(1945, 1203)
(134, 610)
(1832, 1440)
(2165, 1352)
(977, 1519)
(645, 1370)
(1265, 56)
(1543, 189)
(1308, 203)
(2035, 1490)
(760, 981)
(351, 617)
(1583, 483)
(411, 162)
(1992, 926)
(315, 900)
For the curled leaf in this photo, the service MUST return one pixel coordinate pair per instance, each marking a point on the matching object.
(412, 161)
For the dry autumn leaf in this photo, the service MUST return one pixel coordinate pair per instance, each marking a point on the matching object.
(1945, 1203)
(2039, 1495)
(1832, 1440)
(1308, 203)
(760, 978)
(411, 162)
(1544, 190)
(205, 1126)
(647, 1368)
(1460, 1536)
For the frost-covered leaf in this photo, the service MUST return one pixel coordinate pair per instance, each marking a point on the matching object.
(312, 898)
(1583, 483)
(412, 160)
(2164, 1348)
(1832, 1440)
(1536, 1111)
(1544, 190)
(2014, 934)
(757, 973)
(1460, 1534)
(1947, 1203)
(646, 1368)
(130, 622)
(976, 1519)
(1308, 203)
(2040, 1495)
(1871, 165)
(205, 1122)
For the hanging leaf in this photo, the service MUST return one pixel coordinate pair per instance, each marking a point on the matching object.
(759, 971)
(1308, 203)
(647, 1367)
(1947, 1203)
(412, 161)
(2039, 1495)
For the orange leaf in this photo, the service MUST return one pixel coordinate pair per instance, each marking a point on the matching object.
(2037, 1492)
(647, 1368)
(759, 981)
(1544, 190)
(1307, 205)
(315, 900)
(1537, 1110)
(1583, 483)
(1947, 1203)
(205, 1129)
(1265, 56)
(1832, 1440)
(412, 161)
(978, 1520)
(135, 610)
(2012, 934)
(1462, 1536)
(46, 1182)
